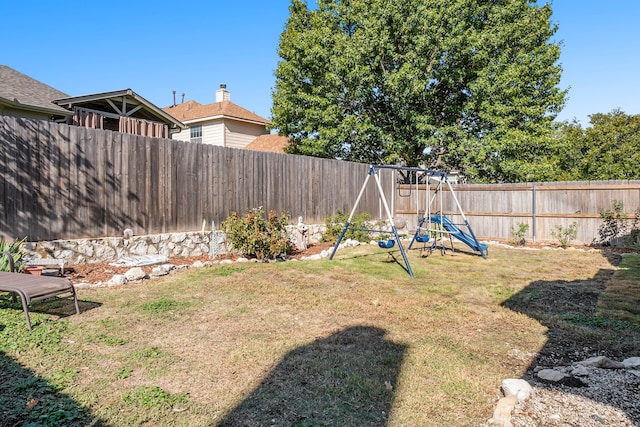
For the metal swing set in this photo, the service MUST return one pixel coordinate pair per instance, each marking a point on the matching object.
(432, 226)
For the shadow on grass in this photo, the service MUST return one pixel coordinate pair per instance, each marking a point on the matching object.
(28, 399)
(56, 306)
(346, 379)
(577, 329)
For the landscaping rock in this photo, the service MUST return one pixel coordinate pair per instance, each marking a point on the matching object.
(117, 280)
(161, 270)
(135, 274)
(602, 362)
(580, 371)
(502, 412)
(632, 362)
(516, 387)
(552, 375)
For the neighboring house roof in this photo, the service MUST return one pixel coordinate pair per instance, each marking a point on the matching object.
(120, 103)
(272, 143)
(22, 92)
(192, 111)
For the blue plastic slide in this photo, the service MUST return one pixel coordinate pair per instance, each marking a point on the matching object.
(465, 238)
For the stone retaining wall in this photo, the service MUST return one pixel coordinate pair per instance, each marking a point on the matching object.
(184, 244)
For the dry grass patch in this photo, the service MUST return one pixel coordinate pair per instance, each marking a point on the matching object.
(349, 342)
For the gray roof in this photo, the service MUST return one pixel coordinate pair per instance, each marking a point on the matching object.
(24, 92)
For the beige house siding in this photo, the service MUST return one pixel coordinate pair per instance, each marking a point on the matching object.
(239, 134)
(182, 135)
(224, 133)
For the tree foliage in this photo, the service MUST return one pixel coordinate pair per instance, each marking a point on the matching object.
(608, 149)
(459, 84)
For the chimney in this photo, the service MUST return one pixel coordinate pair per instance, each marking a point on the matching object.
(222, 94)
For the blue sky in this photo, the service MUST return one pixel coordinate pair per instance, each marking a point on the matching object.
(194, 46)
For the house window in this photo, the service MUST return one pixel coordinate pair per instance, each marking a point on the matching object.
(195, 133)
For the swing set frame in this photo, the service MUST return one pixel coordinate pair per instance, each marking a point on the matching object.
(430, 175)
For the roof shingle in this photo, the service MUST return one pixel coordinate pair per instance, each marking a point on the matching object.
(192, 110)
(20, 88)
(272, 143)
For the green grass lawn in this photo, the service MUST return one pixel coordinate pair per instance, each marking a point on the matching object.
(348, 342)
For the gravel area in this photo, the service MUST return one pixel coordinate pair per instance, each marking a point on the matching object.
(611, 398)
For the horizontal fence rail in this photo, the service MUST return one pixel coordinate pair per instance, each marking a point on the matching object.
(494, 209)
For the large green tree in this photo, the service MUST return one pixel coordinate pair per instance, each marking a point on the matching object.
(470, 85)
(608, 149)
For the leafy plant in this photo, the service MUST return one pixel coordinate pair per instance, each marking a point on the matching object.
(124, 373)
(518, 233)
(335, 224)
(162, 306)
(14, 249)
(565, 234)
(63, 378)
(618, 224)
(154, 397)
(256, 237)
(612, 222)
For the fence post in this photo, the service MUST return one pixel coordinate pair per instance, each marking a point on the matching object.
(533, 212)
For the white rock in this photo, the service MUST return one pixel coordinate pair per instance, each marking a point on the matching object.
(242, 259)
(226, 261)
(118, 279)
(161, 270)
(518, 388)
(315, 257)
(197, 264)
(178, 237)
(135, 273)
(632, 362)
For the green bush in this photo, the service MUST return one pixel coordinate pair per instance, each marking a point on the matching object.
(613, 222)
(565, 234)
(335, 225)
(618, 224)
(257, 237)
(518, 233)
(14, 249)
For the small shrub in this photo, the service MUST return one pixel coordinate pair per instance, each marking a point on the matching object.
(565, 234)
(335, 225)
(518, 233)
(14, 249)
(256, 237)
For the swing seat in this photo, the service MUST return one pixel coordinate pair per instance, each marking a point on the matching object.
(386, 245)
(422, 238)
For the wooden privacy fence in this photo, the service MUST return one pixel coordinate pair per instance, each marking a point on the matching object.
(492, 210)
(64, 182)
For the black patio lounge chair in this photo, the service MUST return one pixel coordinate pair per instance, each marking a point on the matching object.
(34, 288)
